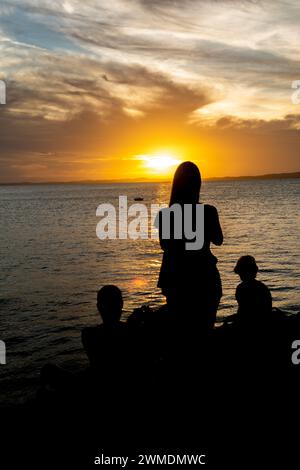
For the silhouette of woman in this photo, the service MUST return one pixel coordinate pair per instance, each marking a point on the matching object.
(188, 278)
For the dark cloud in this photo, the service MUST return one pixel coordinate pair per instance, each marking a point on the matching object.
(289, 124)
(85, 108)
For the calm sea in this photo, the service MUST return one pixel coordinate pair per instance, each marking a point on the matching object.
(52, 263)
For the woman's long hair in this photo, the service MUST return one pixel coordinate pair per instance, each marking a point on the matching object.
(186, 184)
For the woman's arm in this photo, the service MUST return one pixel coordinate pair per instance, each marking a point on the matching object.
(216, 229)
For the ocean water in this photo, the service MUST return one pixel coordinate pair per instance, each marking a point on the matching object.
(52, 263)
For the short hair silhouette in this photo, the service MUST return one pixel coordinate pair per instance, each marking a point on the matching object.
(246, 267)
(254, 297)
(186, 184)
(110, 303)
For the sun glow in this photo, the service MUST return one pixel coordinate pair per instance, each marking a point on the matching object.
(160, 162)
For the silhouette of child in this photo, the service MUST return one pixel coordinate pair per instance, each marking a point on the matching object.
(106, 344)
(254, 297)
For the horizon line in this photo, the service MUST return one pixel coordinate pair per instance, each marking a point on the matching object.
(292, 175)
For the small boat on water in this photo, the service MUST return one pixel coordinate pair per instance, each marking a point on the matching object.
(138, 198)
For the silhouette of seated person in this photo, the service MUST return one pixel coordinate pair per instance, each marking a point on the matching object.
(246, 343)
(106, 345)
(254, 297)
(149, 331)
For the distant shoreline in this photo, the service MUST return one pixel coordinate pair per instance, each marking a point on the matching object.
(271, 176)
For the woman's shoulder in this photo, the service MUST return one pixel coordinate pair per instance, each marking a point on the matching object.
(210, 207)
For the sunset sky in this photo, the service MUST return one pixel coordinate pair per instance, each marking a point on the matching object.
(126, 89)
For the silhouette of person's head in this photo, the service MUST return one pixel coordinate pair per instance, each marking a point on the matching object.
(186, 184)
(246, 268)
(110, 304)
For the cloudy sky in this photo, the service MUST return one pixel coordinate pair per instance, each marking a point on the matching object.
(94, 85)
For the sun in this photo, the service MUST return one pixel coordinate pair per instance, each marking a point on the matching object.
(160, 162)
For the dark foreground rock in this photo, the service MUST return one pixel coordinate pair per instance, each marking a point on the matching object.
(233, 398)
